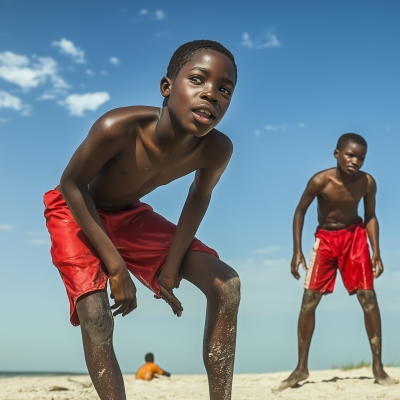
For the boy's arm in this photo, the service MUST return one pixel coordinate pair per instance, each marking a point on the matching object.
(313, 189)
(104, 141)
(192, 214)
(372, 226)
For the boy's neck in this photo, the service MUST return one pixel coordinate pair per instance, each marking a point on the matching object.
(168, 134)
(343, 177)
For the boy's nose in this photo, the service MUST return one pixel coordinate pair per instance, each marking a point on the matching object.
(210, 96)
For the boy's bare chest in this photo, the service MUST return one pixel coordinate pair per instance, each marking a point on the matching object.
(136, 172)
(337, 194)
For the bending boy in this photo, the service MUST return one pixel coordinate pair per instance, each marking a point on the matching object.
(341, 243)
(100, 230)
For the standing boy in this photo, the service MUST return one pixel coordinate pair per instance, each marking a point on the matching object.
(341, 243)
(100, 229)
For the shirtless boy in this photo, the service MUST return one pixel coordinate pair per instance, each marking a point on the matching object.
(341, 243)
(100, 230)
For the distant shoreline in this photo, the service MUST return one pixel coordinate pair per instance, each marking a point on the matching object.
(10, 374)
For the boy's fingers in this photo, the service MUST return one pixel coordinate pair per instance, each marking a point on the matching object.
(295, 273)
(123, 309)
(116, 304)
(171, 300)
(132, 305)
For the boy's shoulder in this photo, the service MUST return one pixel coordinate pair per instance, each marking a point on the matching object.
(126, 120)
(327, 174)
(321, 178)
(217, 146)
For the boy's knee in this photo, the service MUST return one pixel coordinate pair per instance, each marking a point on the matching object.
(310, 300)
(367, 299)
(97, 323)
(229, 291)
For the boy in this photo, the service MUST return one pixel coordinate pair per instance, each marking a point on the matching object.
(149, 370)
(341, 243)
(100, 229)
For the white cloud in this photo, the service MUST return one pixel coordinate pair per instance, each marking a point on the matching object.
(274, 127)
(270, 249)
(7, 227)
(3, 120)
(246, 40)
(160, 14)
(102, 72)
(89, 72)
(67, 47)
(114, 60)
(27, 74)
(301, 125)
(257, 132)
(143, 12)
(7, 100)
(77, 104)
(270, 41)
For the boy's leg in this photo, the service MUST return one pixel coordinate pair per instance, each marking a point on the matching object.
(305, 330)
(221, 286)
(97, 326)
(372, 317)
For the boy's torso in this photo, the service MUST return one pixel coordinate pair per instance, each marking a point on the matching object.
(143, 165)
(338, 201)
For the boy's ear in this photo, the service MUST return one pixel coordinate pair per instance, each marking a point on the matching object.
(336, 153)
(165, 86)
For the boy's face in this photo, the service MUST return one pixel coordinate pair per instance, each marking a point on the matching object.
(351, 157)
(200, 94)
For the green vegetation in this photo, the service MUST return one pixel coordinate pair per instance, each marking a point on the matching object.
(351, 365)
(392, 364)
(362, 364)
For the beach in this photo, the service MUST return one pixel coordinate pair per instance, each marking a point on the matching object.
(327, 384)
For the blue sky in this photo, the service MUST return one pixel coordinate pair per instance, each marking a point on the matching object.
(307, 72)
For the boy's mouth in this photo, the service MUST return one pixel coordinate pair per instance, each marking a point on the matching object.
(202, 115)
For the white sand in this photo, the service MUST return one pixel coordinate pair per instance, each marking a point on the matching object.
(330, 384)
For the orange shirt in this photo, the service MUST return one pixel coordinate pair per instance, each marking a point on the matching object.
(147, 371)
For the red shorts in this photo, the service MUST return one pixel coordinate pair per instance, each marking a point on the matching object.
(347, 250)
(141, 236)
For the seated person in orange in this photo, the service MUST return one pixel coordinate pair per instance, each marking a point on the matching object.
(148, 370)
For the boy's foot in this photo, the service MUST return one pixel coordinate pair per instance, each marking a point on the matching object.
(382, 378)
(295, 377)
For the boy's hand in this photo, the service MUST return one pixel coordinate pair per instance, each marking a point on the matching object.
(377, 265)
(123, 291)
(167, 283)
(298, 258)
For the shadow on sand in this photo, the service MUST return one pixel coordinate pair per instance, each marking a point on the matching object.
(334, 379)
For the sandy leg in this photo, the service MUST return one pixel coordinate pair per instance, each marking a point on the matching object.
(221, 285)
(372, 318)
(305, 330)
(97, 325)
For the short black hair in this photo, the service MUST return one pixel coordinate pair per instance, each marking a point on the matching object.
(350, 137)
(149, 357)
(183, 54)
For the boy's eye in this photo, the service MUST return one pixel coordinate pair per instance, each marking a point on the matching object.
(225, 90)
(195, 79)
